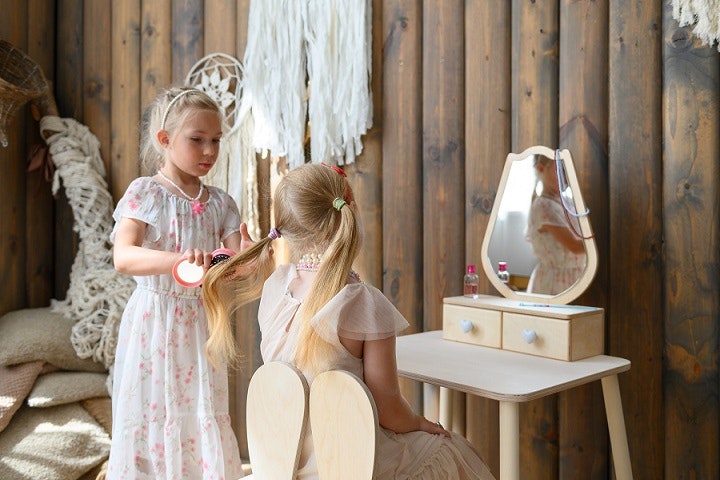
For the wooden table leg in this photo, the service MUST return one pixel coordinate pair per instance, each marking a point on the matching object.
(616, 428)
(446, 405)
(509, 441)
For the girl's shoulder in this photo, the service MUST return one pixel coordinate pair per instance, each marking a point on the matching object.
(143, 184)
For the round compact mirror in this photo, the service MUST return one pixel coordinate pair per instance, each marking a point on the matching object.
(539, 245)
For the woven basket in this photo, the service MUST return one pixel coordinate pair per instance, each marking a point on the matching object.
(21, 80)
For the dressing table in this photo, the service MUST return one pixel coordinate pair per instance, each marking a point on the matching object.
(522, 346)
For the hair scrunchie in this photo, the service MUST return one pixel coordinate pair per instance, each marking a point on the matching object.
(338, 203)
(274, 234)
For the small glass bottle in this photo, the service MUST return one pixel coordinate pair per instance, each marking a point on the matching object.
(471, 281)
(503, 273)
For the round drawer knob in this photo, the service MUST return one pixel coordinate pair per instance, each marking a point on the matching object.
(466, 325)
(529, 335)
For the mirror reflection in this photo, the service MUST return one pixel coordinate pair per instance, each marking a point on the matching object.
(539, 232)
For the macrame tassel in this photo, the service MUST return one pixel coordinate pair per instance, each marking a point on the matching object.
(97, 294)
(703, 15)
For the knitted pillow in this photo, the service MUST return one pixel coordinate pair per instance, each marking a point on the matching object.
(15, 383)
(39, 334)
(59, 388)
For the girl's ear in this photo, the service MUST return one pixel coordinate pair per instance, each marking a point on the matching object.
(164, 138)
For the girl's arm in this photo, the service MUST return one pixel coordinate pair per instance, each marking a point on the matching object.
(566, 237)
(239, 241)
(131, 258)
(381, 377)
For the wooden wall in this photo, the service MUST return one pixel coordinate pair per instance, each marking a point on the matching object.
(457, 85)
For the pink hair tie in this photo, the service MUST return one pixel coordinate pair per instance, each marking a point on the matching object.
(274, 234)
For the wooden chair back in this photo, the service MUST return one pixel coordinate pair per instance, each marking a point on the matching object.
(276, 420)
(344, 423)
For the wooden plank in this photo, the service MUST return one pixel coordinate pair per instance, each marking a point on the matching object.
(243, 12)
(12, 156)
(220, 29)
(125, 95)
(155, 50)
(635, 260)
(583, 130)
(443, 156)
(187, 37)
(401, 121)
(534, 120)
(487, 141)
(691, 214)
(96, 61)
(39, 267)
(365, 174)
(69, 99)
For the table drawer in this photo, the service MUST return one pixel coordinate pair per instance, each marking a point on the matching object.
(553, 338)
(472, 325)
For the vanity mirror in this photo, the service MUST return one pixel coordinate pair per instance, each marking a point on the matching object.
(539, 230)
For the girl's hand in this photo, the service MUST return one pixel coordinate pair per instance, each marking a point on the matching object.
(198, 257)
(245, 240)
(434, 428)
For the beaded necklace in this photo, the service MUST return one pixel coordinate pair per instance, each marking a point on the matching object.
(194, 201)
(310, 262)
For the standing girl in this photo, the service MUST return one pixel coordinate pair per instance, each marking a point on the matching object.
(316, 314)
(170, 405)
(560, 250)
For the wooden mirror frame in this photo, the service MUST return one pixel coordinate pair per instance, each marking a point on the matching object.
(586, 278)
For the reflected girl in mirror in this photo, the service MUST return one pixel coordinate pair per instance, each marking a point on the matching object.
(559, 250)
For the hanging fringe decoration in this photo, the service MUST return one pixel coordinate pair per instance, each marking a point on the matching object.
(313, 62)
(703, 16)
(339, 58)
(221, 77)
(97, 294)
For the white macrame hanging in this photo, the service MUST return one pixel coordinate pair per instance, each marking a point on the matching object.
(313, 63)
(97, 294)
(235, 171)
(339, 64)
(702, 15)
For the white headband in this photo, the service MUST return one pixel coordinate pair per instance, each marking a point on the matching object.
(172, 102)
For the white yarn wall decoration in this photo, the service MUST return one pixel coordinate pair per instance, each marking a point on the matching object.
(339, 65)
(703, 15)
(312, 62)
(97, 294)
(221, 76)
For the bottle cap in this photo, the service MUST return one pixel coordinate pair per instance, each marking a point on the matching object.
(502, 266)
(471, 268)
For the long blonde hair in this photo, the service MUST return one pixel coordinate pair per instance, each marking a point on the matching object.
(307, 218)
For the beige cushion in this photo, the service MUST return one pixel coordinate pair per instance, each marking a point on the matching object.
(52, 443)
(39, 334)
(15, 383)
(59, 388)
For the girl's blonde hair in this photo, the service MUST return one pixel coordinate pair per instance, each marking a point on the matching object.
(168, 112)
(307, 217)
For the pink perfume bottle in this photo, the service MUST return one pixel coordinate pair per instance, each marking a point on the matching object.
(503, 273)
(471, 282)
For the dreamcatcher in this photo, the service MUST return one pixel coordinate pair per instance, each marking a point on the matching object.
(221, 77)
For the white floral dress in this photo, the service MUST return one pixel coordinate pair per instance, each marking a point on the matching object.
(558, 268)
(170, 406)
(361, 312)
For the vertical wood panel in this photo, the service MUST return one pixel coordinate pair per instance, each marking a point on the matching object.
(583, 130)
(534, 122)
(187, 37)
(487, 141)
(443, 156)
(12, 217)
(69, 99)
(125, 94)
(634, 319)
(402, 164)
(220, 29)
(96, 73)
(39, 266)
(243, 12)
(155, 50)
(691, 201)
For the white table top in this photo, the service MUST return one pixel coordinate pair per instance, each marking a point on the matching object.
(494, 373)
